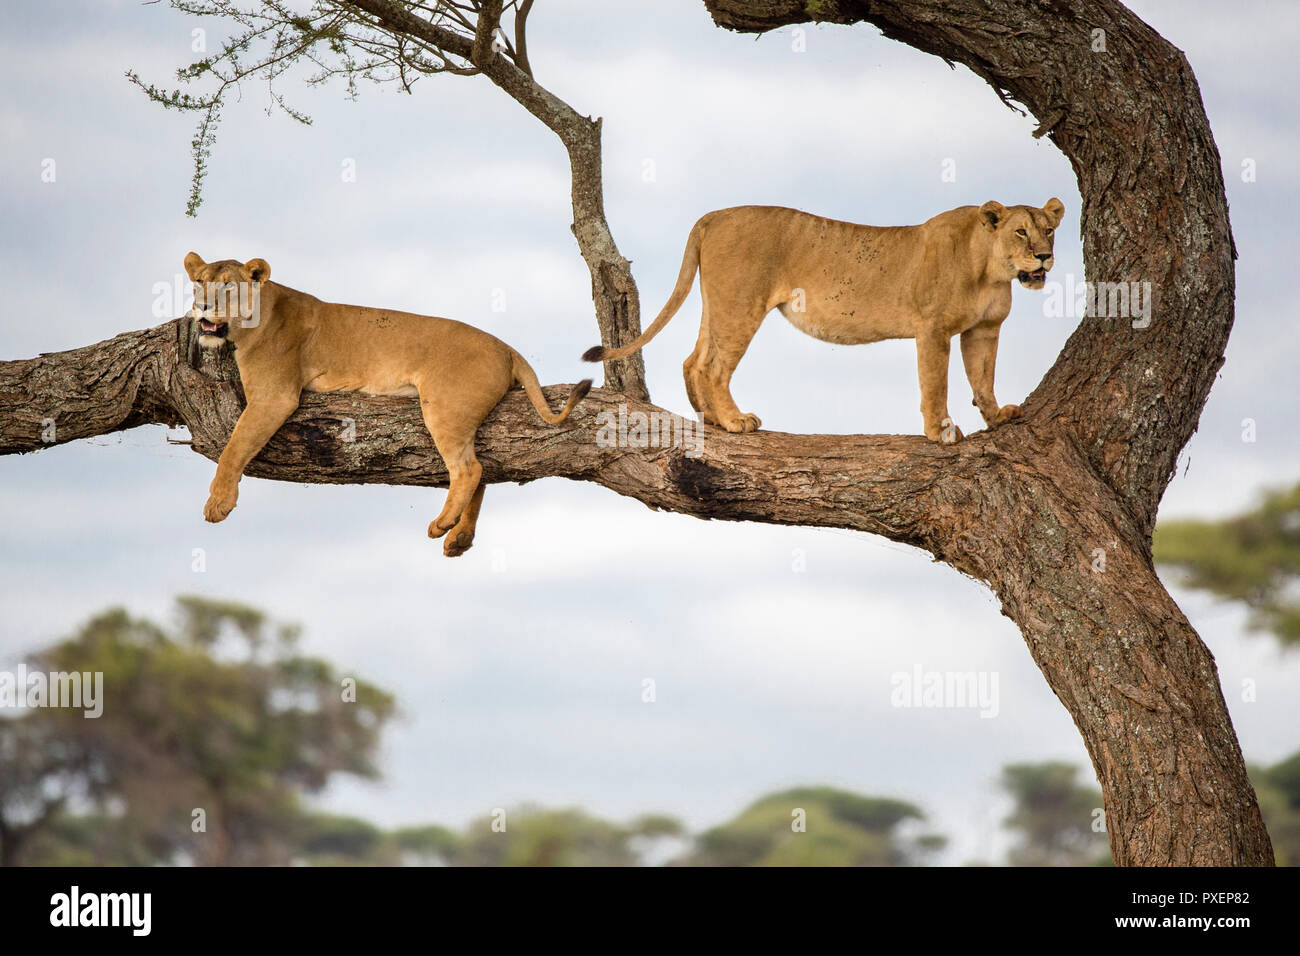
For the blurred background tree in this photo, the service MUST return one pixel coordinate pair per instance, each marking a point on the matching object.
(839, 829)
(572, 837)
(1278, 789)
(430, 845)
(40, 771)
(1054, 817)
(220, 713)
(210, 736)
(1253, 558)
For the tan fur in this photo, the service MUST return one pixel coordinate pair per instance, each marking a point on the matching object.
(287, 342)
(851, 284)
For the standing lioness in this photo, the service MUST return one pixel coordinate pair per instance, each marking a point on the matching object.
(850, 284)
(287, 342)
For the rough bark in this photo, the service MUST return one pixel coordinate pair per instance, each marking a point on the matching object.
(1026, 508)
(613, 289)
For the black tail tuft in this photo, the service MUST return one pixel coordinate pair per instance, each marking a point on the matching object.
(594, 354)
(581, 389)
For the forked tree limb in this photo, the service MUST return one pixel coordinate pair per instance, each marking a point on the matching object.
(613, 289)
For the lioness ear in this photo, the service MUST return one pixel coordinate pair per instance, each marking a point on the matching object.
(193, 263)
(1055, 209)
(992, 212)
(259, 270)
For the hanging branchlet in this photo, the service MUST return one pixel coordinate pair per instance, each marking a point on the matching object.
(332, 39)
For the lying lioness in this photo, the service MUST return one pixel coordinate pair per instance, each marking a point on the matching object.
(287, 341)
(850, 284)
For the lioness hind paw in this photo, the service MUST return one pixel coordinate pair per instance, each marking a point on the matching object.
(436, 532)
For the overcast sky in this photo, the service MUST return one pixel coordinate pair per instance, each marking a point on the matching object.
(520, 666)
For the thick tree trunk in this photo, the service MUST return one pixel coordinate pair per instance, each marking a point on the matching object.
(613, 290)
(1115, 410)
(1028, 507)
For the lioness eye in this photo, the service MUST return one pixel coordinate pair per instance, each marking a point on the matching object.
(1021, 232)
(1047, 232)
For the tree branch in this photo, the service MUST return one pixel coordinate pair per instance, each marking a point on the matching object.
(521, 36)
(890, 485)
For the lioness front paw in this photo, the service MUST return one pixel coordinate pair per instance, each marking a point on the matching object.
(436, 530)
(743, 423)
(1006, 413)
(219, 505)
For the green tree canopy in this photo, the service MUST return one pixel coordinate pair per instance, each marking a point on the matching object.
(197, 755)
(538, 837)
(815, 826)
(1054, 816)
(1278, 788)
(1253, 558)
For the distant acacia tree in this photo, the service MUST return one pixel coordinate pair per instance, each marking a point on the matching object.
(1054, 816)
(533, 836)
(195, 757)
(816, 826)
(1279, 798)
(40, 772)
(1252, 558)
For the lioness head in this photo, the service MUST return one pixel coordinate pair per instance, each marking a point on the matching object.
(227, 297)
(1022, 240)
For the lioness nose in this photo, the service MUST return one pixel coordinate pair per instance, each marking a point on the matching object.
(1042, 256)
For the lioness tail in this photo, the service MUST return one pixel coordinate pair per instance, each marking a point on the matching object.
(685, 278)
(526, 377)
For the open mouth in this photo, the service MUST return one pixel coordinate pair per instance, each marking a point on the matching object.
(1038, 275)
(215, 329)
